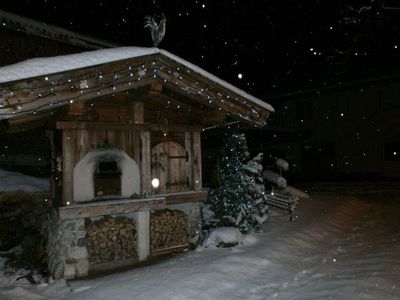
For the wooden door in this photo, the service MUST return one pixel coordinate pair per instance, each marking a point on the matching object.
(168, 164)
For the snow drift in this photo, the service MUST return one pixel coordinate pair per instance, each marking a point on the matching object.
(14, 181)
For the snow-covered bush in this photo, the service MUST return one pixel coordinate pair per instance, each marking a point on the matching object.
(224, 237)
(278, 183)
(274, 178)
(22, 217)
(282, 164)
(239, 200)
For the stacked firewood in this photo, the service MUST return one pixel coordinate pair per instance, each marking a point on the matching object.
(168, 229)
(111, 239)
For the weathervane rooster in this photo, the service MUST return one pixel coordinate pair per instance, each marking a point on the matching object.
(157, 30)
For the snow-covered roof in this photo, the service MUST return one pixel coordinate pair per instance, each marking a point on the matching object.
(33, 27)
(51, 65)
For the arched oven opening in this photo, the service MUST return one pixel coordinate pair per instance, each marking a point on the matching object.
(107, 178)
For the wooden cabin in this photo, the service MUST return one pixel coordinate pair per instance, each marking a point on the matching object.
(124, 126)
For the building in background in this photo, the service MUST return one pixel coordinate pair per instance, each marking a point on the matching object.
(23, 38)
(343, 131)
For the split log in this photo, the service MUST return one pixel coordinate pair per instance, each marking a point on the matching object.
(168, 229)
(111, 239)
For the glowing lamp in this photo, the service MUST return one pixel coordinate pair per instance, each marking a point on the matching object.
(155, 183)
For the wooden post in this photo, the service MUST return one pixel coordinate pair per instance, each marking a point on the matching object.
(136, 146)
(53, 164)
(193, 146)
(138, 112)
(140, 147)
(145, 162)
(197, 180)
(68, 166)
(189, 162)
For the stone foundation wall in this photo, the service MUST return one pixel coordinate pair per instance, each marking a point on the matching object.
(66, 248)
(111, 239)
(77, 244)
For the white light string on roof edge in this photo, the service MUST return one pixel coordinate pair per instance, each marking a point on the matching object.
(123, 77)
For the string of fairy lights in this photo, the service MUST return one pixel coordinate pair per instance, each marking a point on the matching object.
(50, 93)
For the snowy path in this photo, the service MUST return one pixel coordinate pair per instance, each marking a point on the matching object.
(349, 249)
(339, 248)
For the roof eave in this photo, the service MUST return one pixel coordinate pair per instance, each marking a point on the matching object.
(224, 95)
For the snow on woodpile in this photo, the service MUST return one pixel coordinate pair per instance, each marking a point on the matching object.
(14, 181)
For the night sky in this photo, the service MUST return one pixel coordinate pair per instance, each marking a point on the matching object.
(264, 47)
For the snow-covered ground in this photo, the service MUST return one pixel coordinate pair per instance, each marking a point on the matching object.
(340, 247)
(15, 181)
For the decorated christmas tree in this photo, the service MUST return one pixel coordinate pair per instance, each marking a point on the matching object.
(239, 200)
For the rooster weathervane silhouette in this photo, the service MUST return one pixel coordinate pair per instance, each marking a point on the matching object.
(157, 30)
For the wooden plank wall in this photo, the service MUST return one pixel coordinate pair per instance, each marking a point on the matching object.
(78, 142)
(138, 145)
(169, 165)
(194, 171)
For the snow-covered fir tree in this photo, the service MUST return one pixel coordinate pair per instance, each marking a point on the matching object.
(239, 200)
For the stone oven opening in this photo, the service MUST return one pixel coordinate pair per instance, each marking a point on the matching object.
(105, 174)
(107, 179)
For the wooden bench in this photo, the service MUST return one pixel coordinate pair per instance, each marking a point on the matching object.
(285, 202)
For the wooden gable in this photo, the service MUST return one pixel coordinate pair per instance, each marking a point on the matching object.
(169, 88)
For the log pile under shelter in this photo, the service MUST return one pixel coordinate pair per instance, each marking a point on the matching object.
(168, 230)
(111, 239)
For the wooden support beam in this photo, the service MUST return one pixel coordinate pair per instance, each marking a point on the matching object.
(189, 161)
(169, 250)
(68, 148)
(30, 103)
(186, 197)
(53, 163)
(101, 208)
(77, 109)
(123, 126)
(156, 88)
(138, 112)
(238, 111)
(135, 145)
(145, 162)
(197, 174)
